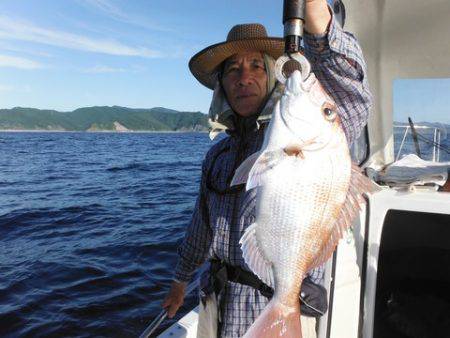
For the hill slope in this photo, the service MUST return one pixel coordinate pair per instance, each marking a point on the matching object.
(102, 119)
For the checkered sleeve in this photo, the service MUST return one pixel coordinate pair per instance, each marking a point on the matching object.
(317, 275)
(195, 246)
(338, 63)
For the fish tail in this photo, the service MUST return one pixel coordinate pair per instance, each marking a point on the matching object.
(277, 320)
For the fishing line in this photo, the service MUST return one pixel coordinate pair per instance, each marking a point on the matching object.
(310, 306)
(437, 145)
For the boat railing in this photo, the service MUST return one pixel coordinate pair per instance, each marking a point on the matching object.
(438, 135)
(151, 328)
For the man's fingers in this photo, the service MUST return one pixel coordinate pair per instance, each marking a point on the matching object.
(171, 305)
(167, 301)
(171, 311)
(173, 308)
(174, 299)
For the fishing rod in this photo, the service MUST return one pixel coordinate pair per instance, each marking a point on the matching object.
(151, 328)
(441, 131)
(414, 136)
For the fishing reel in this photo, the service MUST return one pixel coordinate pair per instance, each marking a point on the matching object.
(293, 21)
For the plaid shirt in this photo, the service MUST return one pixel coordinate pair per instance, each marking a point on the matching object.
(222, 213)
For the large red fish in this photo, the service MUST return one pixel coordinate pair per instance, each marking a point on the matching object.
(307, 196)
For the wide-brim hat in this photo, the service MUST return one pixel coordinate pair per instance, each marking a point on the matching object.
(241, 38)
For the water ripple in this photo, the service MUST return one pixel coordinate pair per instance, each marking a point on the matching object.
(89, 226)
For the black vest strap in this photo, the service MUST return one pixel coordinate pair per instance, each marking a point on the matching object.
(313, 298)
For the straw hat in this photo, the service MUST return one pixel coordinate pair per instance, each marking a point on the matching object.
(241, 38)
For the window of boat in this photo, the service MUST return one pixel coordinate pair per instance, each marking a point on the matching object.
(422, 118)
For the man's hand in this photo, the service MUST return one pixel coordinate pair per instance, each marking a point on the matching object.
(174, 298)
(317, 16)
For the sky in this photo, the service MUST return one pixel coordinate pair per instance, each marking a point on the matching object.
(68, 54)
(422, 100)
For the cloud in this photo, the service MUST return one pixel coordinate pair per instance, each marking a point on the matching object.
(19, 62)
(6, 88)
(15, 30)
(11, 48)
(103, 69)
(99, 69)
(117, 14)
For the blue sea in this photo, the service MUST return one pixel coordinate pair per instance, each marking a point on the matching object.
(89, 226)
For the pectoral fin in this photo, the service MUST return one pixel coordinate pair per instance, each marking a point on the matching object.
(254, 169)
(241, 174)
(254, 257)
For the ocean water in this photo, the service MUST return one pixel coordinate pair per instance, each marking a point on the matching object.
(89, 226)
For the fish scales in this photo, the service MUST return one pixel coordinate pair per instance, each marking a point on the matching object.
(286, 217)
(304, 180)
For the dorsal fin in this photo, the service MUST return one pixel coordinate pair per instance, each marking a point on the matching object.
(359, 185)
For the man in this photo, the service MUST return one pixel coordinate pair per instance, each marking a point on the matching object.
(241, 73)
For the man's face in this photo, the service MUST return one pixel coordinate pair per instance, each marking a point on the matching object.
(244, 80)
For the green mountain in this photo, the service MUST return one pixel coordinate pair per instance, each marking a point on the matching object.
(113, 118)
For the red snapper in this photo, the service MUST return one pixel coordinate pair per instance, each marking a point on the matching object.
(308, 193)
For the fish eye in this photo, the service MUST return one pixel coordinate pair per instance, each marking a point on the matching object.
(329, 112)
